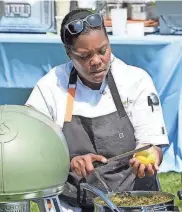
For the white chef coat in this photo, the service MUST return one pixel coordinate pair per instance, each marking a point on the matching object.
(134, 86)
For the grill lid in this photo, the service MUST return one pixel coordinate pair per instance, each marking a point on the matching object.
(34, 157)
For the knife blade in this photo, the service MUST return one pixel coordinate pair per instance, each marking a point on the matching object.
(123, 155)
(130, 153)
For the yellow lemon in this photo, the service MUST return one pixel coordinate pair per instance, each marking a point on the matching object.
(142, 159)
(151, 158)
(142, 153)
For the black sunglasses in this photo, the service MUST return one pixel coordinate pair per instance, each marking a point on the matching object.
(77, 26)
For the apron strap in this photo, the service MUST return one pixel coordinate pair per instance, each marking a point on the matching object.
(71, 95)
(115, 95)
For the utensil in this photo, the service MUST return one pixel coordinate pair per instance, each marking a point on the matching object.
(108, 188)
(130, 153)
(101, 195)
(97, 164)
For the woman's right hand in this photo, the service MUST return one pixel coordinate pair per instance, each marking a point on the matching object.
(82, 165)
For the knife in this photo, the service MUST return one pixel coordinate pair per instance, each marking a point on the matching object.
(123, 155)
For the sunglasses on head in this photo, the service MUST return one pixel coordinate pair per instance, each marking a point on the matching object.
(77, 26)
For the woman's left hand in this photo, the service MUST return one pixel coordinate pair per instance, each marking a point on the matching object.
(141, 170)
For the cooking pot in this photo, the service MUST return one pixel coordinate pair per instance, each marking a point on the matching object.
(109, 205)
(34, 156)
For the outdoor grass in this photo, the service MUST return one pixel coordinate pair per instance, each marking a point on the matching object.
(171, 182)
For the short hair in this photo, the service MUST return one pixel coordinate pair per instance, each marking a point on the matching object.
(66, 37)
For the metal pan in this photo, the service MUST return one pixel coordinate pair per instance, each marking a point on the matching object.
(111, 207)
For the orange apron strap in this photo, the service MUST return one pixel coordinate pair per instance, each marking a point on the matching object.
(70, 104)
(71, 95)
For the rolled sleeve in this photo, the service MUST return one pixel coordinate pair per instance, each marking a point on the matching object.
(147, 116)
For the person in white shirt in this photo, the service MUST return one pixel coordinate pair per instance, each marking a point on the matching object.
(104, 108)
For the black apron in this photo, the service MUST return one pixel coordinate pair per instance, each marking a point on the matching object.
(107, 135)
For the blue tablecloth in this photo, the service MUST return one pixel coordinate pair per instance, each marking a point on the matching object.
(26, 58)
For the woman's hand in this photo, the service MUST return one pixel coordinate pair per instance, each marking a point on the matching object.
(141, 170)
(82, 165)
